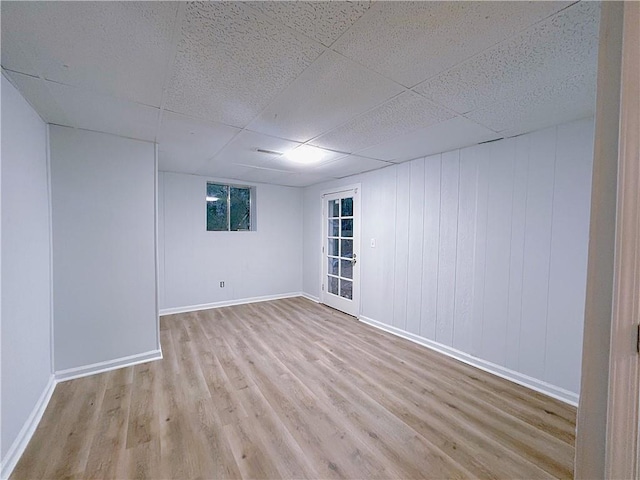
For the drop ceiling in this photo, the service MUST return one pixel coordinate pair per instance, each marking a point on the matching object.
(375, 83)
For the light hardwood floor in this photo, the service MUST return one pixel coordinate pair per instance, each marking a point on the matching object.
(292, 389)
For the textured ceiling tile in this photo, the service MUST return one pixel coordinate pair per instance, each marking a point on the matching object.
(93, 111)
(562, 46)
(350, 165)
(185, 143)
(243, 149)
(301, 179)
(37, 94)
(553, 104)
(328, 93)
(451, 134)
(412, 41)
(322, 21)
(118, 48)
(404, 113)
(224, 170)
(232, 61)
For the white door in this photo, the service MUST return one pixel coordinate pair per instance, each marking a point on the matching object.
(340, 283)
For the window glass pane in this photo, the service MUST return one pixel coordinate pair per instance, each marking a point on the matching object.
(347, 248)
(334, 226)
(240, 208)
(347, 228)
(346, 269)
(333, 266)
(334, 208)
(346, 289)
(216, 207)
(347, 207)
(332, 285)
(333, 247)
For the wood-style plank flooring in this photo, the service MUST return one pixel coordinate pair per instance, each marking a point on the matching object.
(292, 389)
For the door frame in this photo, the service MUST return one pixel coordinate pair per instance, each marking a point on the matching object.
(357, 223)
(622, 456)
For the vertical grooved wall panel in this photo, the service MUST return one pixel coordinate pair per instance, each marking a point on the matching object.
(402, 246)
(537, 245)
(516, 259)
(463, 317)
(566, 296)
(448, 240)
(431, 244)
(416, 236)
(484, 249)
(496, 290)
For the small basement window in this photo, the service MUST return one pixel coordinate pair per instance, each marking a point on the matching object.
(230, 208)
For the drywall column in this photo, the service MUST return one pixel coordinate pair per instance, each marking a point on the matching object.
(592, 410)
(26, 287)
(103, 192)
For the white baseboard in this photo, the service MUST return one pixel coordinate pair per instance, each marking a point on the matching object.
(100, 367)
(310, 297)
(516, 377)
(16, 450)
(227, 303)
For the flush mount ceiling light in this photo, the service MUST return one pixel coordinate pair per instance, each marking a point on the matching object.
(305, 154)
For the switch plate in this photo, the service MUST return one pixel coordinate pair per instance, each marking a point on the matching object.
(373, 243)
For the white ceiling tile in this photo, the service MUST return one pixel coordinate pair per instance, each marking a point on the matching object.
(451, 134)
(402, 114)
(562, 46)
(185, 143)
(349, 165)
(412, 41)
(232, 61)
(243, 149)
(118, 48)
(550, 105)
(90, 110)
(37, 94)
(327, 94)
(224, 170)
(301, 179)
(322, 21)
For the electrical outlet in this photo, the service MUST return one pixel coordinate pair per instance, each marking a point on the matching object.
(221, 284)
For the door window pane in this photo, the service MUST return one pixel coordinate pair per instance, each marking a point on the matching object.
(347, 248)
(346, 269)
(346, 289)
(347, 228)
(333, 247)
(240, 209)
(216, 207)
(334, 208)
(332, 285)
(333, 266)
(347, 207)
(334, 227)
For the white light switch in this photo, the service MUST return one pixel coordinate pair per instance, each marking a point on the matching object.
(373, 243)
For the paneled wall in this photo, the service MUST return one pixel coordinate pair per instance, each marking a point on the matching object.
(482, 250)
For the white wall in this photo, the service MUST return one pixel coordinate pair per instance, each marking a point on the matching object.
(193, 262)
(482, 249)
(104, 269)
(26, 287)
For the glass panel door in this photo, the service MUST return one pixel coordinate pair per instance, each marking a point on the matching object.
(340, 246)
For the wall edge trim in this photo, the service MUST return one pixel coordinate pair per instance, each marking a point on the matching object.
(108, 365)
(230, 303)
(540, 386)
(19, 445)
